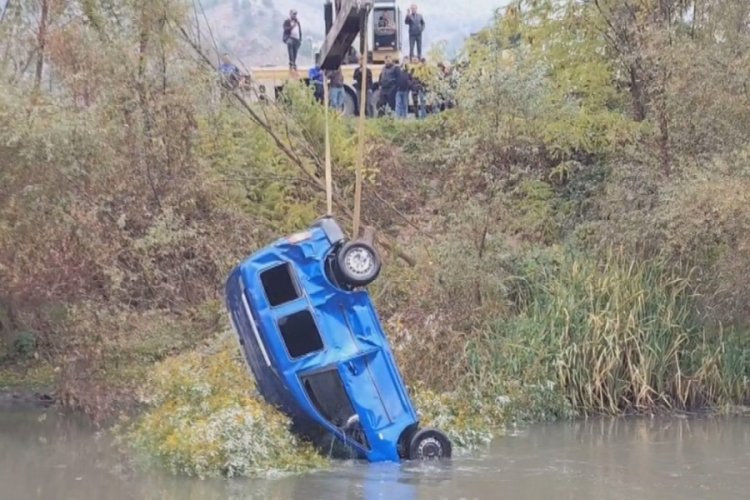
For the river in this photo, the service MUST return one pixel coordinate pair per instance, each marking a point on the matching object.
(49, 456)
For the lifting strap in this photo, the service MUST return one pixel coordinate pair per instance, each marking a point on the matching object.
(329, 180)
(360, 134)
(361, 125)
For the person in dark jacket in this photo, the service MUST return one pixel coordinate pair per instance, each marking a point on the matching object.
(230, 73)
(403, 85)
(368, 88)
(416, 24)
(292, 38)
(388, 80)
(315, 75)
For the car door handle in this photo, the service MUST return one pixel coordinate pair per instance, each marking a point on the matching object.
(352, 367)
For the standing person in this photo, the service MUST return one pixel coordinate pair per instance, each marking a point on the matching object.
(388, 80)
(292, 38)
(403, 85)
(337, 89)
(368, 88)
(416, 27)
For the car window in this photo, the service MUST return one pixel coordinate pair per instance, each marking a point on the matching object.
(279, 285)
(300, 334)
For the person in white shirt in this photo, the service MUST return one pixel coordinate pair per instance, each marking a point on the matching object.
(292, 37)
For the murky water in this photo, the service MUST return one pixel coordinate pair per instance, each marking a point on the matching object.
(44, 455)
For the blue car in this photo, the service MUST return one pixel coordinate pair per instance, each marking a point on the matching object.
(315, 345)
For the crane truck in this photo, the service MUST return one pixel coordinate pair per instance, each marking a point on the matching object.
(345, 21)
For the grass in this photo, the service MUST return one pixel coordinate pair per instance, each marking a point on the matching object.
(27, 376)
(609, 335)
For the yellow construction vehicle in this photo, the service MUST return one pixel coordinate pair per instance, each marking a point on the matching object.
(345, 21)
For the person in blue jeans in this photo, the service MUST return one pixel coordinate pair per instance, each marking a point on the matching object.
(416, 24)
(292, 38)
(337, 89)
(403, 85)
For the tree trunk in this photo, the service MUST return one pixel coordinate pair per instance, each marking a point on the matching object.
(41, 44)
(636, 94)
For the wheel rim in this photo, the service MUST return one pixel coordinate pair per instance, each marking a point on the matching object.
(359, 261)
(430, 448)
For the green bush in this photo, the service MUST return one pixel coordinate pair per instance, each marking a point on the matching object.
(467, 421)
(24, 345)
(203, 419)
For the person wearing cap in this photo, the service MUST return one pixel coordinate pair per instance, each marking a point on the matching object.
(292, 37)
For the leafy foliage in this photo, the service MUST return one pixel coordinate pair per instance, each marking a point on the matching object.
(468, 426)
(204, 420)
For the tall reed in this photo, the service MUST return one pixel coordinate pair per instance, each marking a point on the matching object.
(613, 334)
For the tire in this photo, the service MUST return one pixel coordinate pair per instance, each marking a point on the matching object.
(358, 263)
(429, 444)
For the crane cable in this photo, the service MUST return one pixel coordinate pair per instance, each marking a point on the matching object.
(361, 125)
(329, 180)
(360, 136)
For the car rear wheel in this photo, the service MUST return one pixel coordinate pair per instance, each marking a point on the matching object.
(429, 444)
(358, 263)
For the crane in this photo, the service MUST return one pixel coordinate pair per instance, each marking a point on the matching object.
(350, 20)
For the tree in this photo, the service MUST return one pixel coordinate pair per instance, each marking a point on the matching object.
(41, 42)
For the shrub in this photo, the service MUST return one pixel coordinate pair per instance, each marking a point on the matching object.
(203, 419)
(24, 344)
(467, 421)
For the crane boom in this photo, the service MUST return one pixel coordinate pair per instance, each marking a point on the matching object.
(351, 17)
